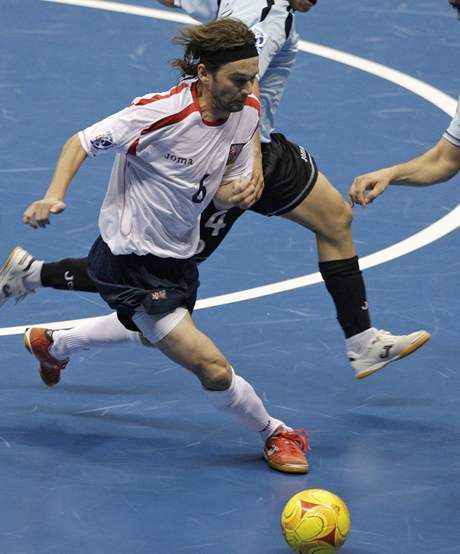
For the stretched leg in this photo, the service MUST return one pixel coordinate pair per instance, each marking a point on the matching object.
(22, 275)
(233, 395)
(66, 274)
(57, 346)
(177, 337)
(326, 213)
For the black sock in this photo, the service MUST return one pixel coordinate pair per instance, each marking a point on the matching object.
(345, 284)
(68, 274)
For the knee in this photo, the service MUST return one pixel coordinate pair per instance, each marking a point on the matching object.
(214, 374)
(345, 216)
(338, 223)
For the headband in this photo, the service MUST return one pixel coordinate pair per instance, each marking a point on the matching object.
(227, 55)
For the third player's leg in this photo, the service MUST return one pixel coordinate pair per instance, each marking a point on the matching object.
(325, 212)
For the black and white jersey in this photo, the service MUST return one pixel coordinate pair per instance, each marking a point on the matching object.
(273, 24)
(452, 133)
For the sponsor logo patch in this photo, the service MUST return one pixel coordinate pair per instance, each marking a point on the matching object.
(235, 150)
(303, 154)
(179, 159)
(386, 354)
(102, 141)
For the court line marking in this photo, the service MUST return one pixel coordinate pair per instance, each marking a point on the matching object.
(435, 231)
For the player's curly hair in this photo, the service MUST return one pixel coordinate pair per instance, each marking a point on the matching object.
(217, 35)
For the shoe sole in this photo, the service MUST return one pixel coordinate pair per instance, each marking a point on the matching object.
(288, 468)
(6, 268)
(411, 348)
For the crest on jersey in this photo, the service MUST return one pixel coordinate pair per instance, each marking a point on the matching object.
(261, 38)
(235, 150)
(102, 141)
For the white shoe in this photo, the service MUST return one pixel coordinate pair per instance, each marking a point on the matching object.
(383, 349)
(12, 274)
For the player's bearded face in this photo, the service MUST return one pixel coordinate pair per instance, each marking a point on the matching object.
(233, 83)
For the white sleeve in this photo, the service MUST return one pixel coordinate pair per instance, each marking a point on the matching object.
(202, 10)
(271, 37)
(118, 131)
(452, 134)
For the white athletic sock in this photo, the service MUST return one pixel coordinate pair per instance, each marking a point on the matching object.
(357, 343)
(100, 331)
(31, 279)
(241, 401)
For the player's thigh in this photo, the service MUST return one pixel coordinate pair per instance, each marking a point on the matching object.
(324, 210)
(192, 349)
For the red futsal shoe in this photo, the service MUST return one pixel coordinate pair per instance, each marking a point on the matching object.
(38, 341)
(285, 451)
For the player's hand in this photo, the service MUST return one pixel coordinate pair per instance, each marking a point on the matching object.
(37, 214)
(257, 177)
(240, 193)
(366, 188)
(243, 193)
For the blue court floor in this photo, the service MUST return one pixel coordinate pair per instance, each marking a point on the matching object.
(126, 456)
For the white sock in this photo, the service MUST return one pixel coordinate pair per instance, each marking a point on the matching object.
(32, 279)
(100, 331)
(241, 401)
(357, 343)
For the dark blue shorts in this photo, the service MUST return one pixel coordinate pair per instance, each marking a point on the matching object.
(129, 282)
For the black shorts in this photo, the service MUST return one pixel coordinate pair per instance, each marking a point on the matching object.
(127, 282)
(290, 173)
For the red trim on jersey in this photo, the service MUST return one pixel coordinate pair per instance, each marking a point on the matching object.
(155, 97)
(132, 147)
(215, 123)
(164, 122)
(253, 102)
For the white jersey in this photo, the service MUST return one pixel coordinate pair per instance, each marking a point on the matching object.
(452, 133)
(168, 166)
(273, 25)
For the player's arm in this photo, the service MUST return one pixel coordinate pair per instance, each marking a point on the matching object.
(71, 158)
(257, 177)
(437, 165)
(201, 10)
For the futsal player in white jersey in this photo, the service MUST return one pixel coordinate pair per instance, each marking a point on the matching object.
(173, 152)
(287, 184)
